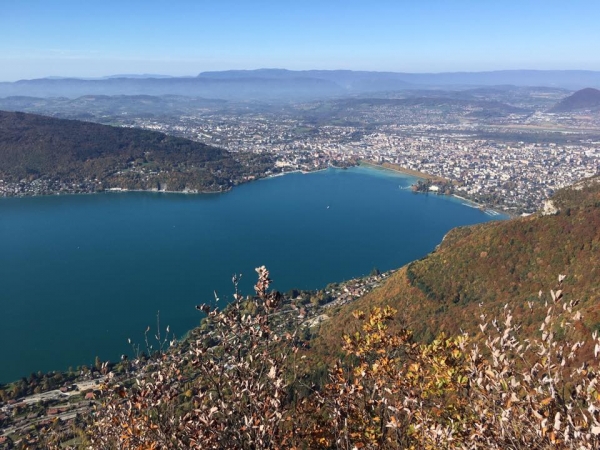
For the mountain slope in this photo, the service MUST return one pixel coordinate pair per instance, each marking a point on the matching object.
(42, 155)
(585, 99)
(480, 269)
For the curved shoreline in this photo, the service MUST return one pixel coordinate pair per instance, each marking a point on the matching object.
(403, 170)
(366, 164)
(425, 176)
(187, 192)
(364, 172)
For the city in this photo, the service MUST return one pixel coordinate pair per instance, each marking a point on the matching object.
(512, 164)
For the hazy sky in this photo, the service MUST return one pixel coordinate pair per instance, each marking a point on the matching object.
(95, 38)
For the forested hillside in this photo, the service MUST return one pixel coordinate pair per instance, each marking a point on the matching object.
(480, 269)
(43, 155)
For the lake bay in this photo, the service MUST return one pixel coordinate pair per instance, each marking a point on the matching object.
(81, 274)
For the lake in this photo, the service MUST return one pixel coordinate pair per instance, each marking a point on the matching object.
(80, 274)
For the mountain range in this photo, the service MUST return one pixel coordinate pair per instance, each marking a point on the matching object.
(280, 84)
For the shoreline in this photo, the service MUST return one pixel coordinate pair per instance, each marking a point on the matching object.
(364, 163)
(484, 207)
(424, 176)
(368, 166)
(473, 203)
(403, 170)
(117, 190)
(304, 172)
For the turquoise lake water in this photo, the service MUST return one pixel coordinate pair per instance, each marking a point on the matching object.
(79, 275)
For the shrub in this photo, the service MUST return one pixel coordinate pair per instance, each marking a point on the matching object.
(235, 387)
(513, 393)
(236, 400)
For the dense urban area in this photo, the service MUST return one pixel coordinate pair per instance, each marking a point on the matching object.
(505, 149)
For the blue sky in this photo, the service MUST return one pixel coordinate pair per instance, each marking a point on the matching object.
(96, 38)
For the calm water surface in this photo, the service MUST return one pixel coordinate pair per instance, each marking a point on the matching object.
(81, 274)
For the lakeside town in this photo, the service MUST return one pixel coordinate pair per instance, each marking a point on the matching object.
(510, 170)
(508, 157)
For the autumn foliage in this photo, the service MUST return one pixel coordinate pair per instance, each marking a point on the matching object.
(511, 393)
(236, 386)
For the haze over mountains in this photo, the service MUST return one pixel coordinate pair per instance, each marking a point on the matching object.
(280, 84)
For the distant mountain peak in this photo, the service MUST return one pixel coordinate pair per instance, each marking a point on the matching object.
(584, 99)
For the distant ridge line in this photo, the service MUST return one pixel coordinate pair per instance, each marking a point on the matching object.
(269, 84)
